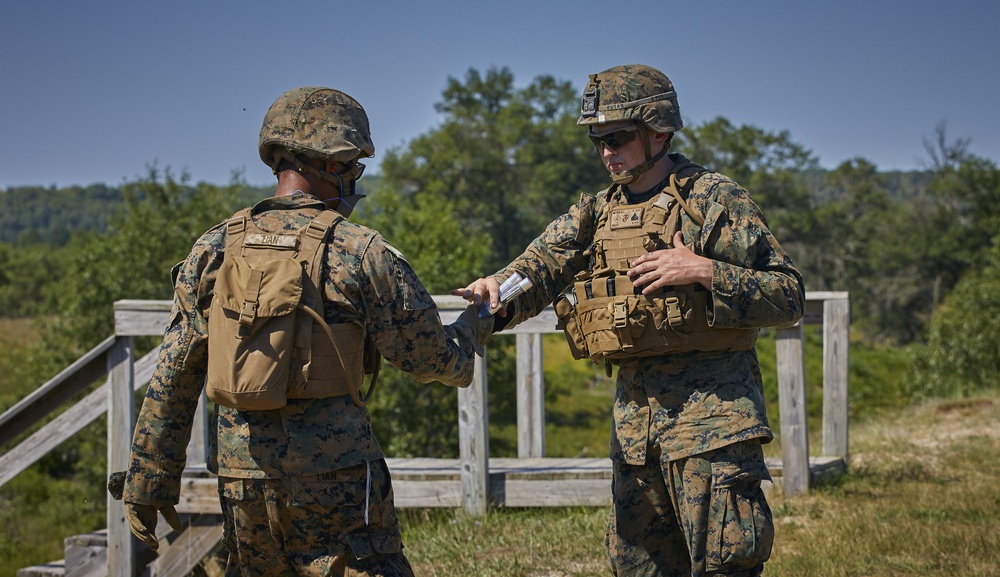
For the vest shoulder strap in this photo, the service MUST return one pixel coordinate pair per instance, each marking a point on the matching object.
(313, 240)
(236, 228)
(682, 180)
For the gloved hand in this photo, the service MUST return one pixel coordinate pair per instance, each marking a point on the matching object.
(479, 330)
(142, 521)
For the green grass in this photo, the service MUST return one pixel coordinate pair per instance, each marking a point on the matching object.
(920, 498)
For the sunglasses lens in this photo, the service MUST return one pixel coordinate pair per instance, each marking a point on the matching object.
(614, 140)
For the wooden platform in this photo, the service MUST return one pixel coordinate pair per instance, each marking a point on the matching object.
(543, 482)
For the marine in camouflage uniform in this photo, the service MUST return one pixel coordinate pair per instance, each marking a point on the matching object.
(687, 425)
(304, 488)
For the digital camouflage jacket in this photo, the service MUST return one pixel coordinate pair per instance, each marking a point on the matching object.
(365, 280)
(693, 402)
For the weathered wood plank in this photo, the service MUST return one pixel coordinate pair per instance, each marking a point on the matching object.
(56, 391)
(191, 546)
(67, 424)
(530, 397)
(474, 441)
(148, 318)
(544, 482)
(197, 449)
(431, 494)
(836, 346)
(792, 405)
(557, 493)
(86, 555)
(122, 561)
(51, 569)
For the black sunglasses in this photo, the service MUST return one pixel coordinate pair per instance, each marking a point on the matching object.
(614, 140)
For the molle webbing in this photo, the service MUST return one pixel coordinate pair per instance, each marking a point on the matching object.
(611, 319)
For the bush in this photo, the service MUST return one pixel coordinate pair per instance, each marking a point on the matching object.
(963, 348)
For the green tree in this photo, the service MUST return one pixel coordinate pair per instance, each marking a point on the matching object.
(963, 345)
(769, 165)
(508, 160)
(27, 274)
(163, 215)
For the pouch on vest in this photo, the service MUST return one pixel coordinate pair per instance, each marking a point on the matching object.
(571, 327)
(267, 339)
(251, 328)
(609, 321)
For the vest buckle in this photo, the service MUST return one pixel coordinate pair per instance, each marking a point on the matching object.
(674, 316)
(247, 316)
(619, 311)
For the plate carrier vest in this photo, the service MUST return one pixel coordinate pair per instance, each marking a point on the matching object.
(267, 338)
(609, 319)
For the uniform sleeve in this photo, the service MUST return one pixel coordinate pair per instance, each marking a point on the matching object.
(405, 323)
(554, 258)
(755, 284)
(163, 428)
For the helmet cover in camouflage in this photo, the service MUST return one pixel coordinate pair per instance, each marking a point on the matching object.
(631, 92)
(318, 123)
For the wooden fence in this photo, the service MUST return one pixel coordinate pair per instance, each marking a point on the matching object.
(470, 482)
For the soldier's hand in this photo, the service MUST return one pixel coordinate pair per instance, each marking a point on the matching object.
(672, 266)
(480, 291)
(142, 521)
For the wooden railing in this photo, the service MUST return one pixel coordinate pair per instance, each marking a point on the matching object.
(148, 318)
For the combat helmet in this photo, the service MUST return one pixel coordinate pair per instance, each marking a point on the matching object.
(634, 93)
(316, 122)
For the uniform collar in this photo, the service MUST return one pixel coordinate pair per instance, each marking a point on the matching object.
(297, 200)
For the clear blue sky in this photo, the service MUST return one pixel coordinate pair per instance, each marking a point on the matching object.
(96, 91)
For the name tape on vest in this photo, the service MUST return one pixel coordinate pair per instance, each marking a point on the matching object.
(276, 240)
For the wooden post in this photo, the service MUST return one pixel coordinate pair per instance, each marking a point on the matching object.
(122, 548)
(836, 344)
(792, 404)
(197, 449)
(474, 442)
(530, 397)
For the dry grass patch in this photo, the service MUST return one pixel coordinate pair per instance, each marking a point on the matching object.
(921, 498)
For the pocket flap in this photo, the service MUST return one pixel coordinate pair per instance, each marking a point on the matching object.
(726, 475)
(277, 284)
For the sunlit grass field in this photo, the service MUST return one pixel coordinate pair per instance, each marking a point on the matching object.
(921, 498)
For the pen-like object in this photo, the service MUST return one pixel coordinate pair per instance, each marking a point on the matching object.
(510, 289)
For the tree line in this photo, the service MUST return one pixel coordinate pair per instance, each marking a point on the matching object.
(917, 251)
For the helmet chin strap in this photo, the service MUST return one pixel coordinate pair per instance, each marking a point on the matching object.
(331, 177)
(626, 177)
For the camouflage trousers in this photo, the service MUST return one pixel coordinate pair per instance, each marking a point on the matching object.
(697, 516)
(341, 523)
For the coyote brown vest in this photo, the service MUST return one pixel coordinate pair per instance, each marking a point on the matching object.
(267, 338)
(611, 319)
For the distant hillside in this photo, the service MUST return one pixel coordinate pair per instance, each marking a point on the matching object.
(35, 214)
(902, 185)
